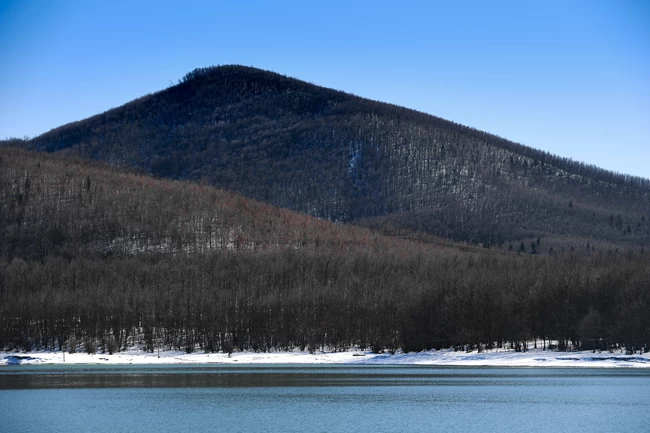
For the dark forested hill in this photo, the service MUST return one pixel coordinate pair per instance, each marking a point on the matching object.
(56, 206)
(345, 158)
(102, 258)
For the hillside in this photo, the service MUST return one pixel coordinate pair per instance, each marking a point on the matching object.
(50, 205)
(344, 158)
(98, 258)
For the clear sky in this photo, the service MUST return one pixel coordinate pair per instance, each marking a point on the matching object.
(569, 77)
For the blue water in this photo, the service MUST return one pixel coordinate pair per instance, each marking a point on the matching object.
(321, 399)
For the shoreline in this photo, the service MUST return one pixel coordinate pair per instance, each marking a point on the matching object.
(445, 357)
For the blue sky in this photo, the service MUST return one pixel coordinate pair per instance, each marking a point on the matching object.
(569, 77)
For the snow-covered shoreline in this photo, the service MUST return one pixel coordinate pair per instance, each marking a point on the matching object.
(495, 358)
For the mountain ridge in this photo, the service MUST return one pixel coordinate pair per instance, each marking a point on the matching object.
(523, 149)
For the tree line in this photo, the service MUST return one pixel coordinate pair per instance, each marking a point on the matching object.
(312, 300)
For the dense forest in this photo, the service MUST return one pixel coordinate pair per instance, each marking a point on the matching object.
(98, 258)
(340, 157)
(54, 205)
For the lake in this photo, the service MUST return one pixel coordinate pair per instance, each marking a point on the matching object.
(324, 398)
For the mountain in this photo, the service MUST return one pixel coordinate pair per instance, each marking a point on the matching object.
(101, 255)
(341, 157)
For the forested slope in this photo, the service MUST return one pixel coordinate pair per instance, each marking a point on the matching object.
(345, 158)
(103, 259)
(51, 205)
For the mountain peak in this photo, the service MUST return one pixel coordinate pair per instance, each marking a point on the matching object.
(210, 74)
(232, 69)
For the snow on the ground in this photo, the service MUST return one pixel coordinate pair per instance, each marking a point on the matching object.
(494, 358)
(503, 358)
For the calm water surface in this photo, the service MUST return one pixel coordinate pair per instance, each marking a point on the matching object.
(321, 399)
